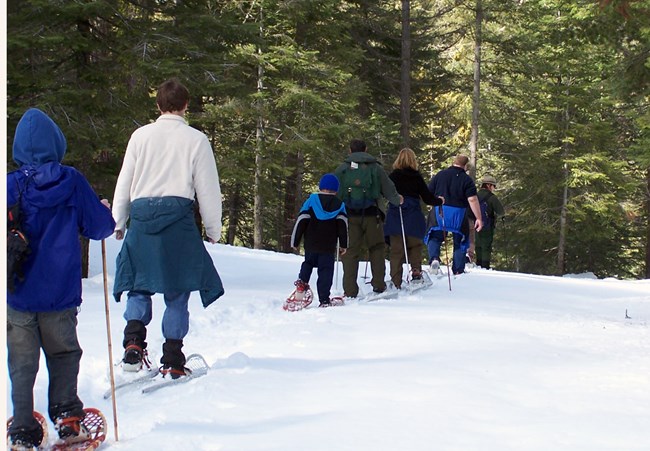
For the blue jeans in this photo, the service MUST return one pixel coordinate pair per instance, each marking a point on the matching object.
(325, 265)
(433, 247)
(56, 333)
(176, 319)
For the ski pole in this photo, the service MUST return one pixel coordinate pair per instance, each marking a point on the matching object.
(108, 334)
(505, 234)
(365, 274)
(444, 240)
(406, 255)
(336, 275)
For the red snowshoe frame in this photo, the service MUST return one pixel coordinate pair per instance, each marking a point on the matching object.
(292, 304)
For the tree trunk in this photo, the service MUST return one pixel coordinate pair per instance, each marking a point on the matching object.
(561, 247)
(233, 216)
(405, 91)
(476, 93)
(647, 235)
(259, 148)
(257, 203)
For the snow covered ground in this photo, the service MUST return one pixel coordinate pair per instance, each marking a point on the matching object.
(504, 361)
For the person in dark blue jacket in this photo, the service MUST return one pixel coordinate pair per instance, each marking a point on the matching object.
(459, 192)
(58, 205)
(410, 226)
(323, 222)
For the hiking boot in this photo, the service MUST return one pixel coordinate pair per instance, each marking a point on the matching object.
(301, 290)
(133, 358)
(417, 275)
(135, 346)
(175, 372)
(71, 428)
(379, 290)
(25, 439)
(173, 360)
(325, 303)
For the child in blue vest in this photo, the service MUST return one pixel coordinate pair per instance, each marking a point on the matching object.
(323, 222)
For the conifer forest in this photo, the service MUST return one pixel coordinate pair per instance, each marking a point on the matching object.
(551, 97)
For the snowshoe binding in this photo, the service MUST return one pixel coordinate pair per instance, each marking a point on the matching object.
(80, 433)
(174, 372)
(135, 358)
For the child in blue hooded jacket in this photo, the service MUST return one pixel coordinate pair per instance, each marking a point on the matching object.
(323, 222)
(58, 205)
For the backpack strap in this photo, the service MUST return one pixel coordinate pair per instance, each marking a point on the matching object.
(486, 199)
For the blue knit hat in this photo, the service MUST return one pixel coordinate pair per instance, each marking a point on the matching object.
(329, 182)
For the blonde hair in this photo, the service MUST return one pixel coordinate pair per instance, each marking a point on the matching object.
(406, 159)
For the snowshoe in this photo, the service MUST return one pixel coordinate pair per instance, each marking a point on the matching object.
(419, 282)
(195, 366)
(435, 269)
(390, 292)
(333, 302)
(300, 298)
(27, 440)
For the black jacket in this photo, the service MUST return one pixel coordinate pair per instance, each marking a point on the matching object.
(409, 183)
(454, 185)
(323, 221)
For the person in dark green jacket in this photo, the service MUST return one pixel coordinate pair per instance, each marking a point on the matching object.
(364, 185)
(493, 209)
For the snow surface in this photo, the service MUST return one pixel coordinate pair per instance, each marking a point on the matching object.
(504, 361)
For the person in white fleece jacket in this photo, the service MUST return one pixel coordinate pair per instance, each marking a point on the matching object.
(166, 165)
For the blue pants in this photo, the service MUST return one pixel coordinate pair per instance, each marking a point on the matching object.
(436, 238)
(176, 319)
(325, 265)
(56, 333)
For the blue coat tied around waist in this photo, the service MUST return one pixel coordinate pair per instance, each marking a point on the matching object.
(163, 252)
(452, 222)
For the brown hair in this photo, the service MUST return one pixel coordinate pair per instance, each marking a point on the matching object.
(406, 159)
(461, 160)
(172, 96)
(357, 145)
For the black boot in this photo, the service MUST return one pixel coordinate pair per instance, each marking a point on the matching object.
(134, 344)
(173, 359)
(135, 332)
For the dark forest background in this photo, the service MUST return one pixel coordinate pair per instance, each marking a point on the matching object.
(551, 97)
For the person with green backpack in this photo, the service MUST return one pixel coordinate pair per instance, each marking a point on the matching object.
(363, 186)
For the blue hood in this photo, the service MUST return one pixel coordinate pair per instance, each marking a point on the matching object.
(39, 146)
(313, 202)
(38, 140)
